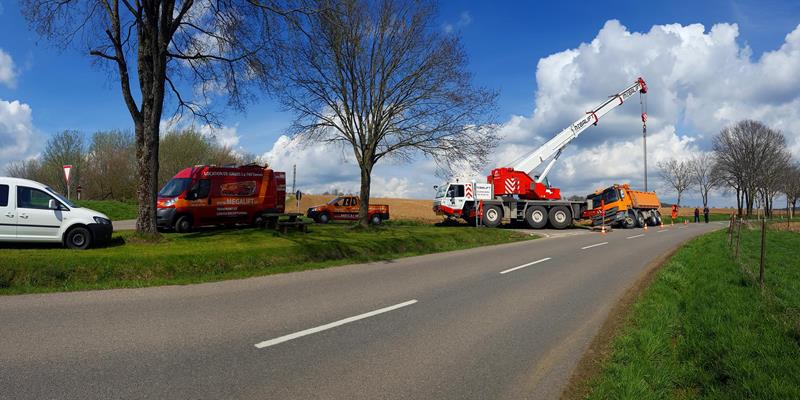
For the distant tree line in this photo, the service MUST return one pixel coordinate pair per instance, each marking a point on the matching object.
(104, 164)
(748, 158)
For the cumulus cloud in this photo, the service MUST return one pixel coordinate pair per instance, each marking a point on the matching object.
(700, 80)
(17, 134)
(8, 73)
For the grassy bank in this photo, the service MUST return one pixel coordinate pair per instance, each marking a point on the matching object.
(116, 210)
(705, 329)
(224, 254)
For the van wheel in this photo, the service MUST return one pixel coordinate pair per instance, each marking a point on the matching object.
(258, 221)
(492, 216)
(536, 217)
(78, 238)
(560, 217)
(323, 218)
(375, 220)
(183, 224)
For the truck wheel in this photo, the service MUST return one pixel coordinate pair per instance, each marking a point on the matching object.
(78, 238)
(258, 221)
(323, 218)
(183, 224)
(492, 216)
(536, 217)
(630, 220)
(560, 217)
(375, 220)
(640, 219)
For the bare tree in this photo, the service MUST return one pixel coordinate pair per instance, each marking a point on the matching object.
(751, 156)
(702, 166)
(792, 187)
(382, 78)
(110, 171)
(677, 174)
(171, 47)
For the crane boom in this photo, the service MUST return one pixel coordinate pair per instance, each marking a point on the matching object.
(553, 147)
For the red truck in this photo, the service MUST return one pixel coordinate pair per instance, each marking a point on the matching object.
(211, 195)
(346, 208)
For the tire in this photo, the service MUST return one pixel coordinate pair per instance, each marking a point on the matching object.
(375, 220)
(536, 217)
(323, 218)
(78, 238)
(258, 221)
(560, 217)
(630, 221)
(658, 217)
(640, 219)
(492, 216)
(183, 224)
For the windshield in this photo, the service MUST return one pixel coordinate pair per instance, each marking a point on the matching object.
(61, 198)
(442, 191)
(174, 187)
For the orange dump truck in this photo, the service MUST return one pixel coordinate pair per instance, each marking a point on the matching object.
(624, 207)
(346, 208)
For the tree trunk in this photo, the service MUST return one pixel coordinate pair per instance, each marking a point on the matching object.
(363, 209)
(147, 168)
(679, 199)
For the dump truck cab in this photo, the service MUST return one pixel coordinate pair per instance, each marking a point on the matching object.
(619, 205)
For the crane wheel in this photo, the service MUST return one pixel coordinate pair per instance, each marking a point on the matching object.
(536, 217)
(560, 217)
(492, 216)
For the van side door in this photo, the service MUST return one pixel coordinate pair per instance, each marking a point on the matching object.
(35, 219)
(8, 213)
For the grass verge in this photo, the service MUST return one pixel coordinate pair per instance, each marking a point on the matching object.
(705, 329)
(116, 210)
(213, 255)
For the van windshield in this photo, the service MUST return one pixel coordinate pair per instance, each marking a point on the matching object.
(61, 198)
(174, 187)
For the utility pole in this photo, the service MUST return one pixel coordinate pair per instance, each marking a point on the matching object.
(294, 177)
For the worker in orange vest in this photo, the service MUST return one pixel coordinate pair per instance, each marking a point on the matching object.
(674, 212)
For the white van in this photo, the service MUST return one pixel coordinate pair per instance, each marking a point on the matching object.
(32, 212)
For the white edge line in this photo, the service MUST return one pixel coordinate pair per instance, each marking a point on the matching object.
(594, 245)
(340, 322)
(662, 230)
(524, 265)
(634, 236)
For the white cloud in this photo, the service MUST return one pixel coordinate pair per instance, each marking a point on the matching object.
(8, 73)
(222, 135)
(464, 19)
(17, 133)
(699, 82)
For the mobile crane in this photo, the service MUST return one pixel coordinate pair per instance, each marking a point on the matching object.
(518, 193)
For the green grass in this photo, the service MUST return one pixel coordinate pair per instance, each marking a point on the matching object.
(116, 210)
(705, 329)
(224, 254)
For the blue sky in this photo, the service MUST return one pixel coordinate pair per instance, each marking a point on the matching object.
(504, 40)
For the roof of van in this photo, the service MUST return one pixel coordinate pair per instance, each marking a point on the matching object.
(20, 181)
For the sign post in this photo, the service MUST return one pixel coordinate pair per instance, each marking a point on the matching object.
(67, 169)
(483, 191)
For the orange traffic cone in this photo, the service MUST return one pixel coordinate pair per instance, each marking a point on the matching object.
(603, 229)
(645, 226)
(686, 222)
(662, 224)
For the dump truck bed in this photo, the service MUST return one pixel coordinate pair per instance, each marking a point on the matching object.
(644, 200)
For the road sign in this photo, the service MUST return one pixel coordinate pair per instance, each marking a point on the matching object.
(483, 191)
(298, 195)
(67, 169)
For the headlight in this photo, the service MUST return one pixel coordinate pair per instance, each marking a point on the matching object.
(170, 202)
(101, 220)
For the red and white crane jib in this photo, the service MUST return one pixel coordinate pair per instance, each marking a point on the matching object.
(554, 146)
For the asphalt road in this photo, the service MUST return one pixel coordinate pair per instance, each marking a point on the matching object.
(501, 322)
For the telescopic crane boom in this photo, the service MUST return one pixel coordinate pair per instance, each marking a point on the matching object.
(516, 179)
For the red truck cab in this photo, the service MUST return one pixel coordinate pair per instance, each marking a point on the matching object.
(211, 195)
(346, 208)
